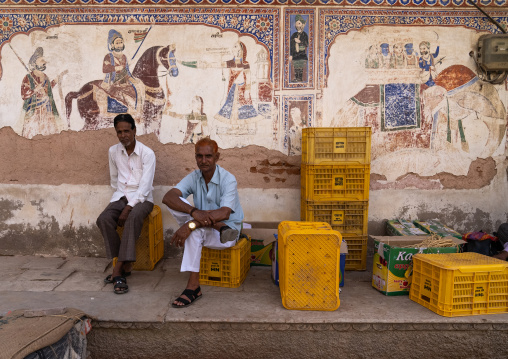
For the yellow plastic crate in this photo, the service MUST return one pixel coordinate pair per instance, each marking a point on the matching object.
(336, 145)
(356, 258)
(346, 217)
(309, 265)
(460, 284)
(226, 267)
(335, 182)
(150, 245)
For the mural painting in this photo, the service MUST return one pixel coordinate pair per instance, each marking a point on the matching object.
(423, 105)
(40, 114)
(189, 73)
(297, 115)
(299, 48)
(220, 84)
(138, 93)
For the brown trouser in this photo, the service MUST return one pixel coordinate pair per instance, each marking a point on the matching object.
(124, 249)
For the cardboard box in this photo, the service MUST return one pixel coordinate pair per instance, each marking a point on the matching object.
(433, 226)
(402, 227)
(391, 270)
(261, 243)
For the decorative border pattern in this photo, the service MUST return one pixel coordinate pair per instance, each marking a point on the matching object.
(262, 24)
(310, 112)
(310, 50)
(335, 22)
(342, 3)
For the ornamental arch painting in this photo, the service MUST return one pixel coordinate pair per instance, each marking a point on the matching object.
(416, 87)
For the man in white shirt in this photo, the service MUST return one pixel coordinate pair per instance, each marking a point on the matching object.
(131, 168)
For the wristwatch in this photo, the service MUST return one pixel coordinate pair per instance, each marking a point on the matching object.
(192, 225)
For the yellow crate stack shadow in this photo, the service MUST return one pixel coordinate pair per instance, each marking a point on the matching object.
(335, 179)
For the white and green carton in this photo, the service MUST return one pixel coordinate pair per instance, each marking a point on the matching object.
(433, 226)
(391, 272)
(403, 227)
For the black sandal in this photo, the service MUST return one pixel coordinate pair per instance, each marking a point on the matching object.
(121, 286)
(109, 278)
(189, 293)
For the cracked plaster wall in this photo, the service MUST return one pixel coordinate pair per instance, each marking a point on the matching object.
(53, 187)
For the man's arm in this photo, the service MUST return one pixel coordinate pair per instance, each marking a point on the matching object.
(113, 174)
(202, 218)
(502, 255)
(146, 181)
(113, 170)
(173, 201)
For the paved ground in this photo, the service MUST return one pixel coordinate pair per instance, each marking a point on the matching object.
(38, 282)
(254, 309)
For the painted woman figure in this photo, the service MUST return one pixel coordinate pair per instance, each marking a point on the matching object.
(238, 108)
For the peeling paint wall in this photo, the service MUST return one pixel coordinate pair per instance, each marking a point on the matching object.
(238, 75)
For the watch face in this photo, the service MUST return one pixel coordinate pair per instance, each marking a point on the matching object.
(192, 225)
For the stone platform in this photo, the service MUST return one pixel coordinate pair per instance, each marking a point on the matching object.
(244, 322)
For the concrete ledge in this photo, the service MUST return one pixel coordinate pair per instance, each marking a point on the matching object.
(248, 321)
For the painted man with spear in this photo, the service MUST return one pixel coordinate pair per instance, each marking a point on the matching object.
(40, 114)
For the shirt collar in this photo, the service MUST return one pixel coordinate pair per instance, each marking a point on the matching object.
(136, 148)
(215, 177)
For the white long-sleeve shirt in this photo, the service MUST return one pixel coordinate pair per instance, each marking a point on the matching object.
(132, 176)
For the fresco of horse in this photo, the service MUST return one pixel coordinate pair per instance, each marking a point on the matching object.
(92, 99)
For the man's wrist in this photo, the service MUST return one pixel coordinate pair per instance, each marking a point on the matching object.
(192, 210)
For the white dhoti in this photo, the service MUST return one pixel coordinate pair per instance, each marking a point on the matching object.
(199, 238)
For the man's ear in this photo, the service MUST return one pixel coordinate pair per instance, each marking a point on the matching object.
(217, 155)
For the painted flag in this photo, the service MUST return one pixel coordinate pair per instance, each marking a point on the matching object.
(140, 35)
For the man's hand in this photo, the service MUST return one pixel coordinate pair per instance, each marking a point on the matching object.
(124, 215)
(205, 218)
(501, 255)
(181, 235)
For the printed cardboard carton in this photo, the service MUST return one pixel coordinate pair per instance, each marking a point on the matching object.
(261, 245)
(402, 227)
(391, 272)
(433, 226)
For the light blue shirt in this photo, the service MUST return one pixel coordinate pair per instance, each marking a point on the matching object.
(222, 192)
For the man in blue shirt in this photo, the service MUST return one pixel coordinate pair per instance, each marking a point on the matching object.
(215, 220)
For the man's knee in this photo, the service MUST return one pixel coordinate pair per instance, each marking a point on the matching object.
(196, 238)
(103, 219)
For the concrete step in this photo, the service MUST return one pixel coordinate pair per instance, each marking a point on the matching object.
(248, 321)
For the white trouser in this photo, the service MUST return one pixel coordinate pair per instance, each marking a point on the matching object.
(199, 238)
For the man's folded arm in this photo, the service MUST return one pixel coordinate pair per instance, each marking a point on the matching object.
(146, 182)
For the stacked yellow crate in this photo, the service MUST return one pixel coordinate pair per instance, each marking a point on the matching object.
(335, 179)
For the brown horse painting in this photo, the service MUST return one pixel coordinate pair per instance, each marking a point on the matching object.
(92, 98)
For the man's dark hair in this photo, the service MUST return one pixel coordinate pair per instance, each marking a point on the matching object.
(125, 117)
